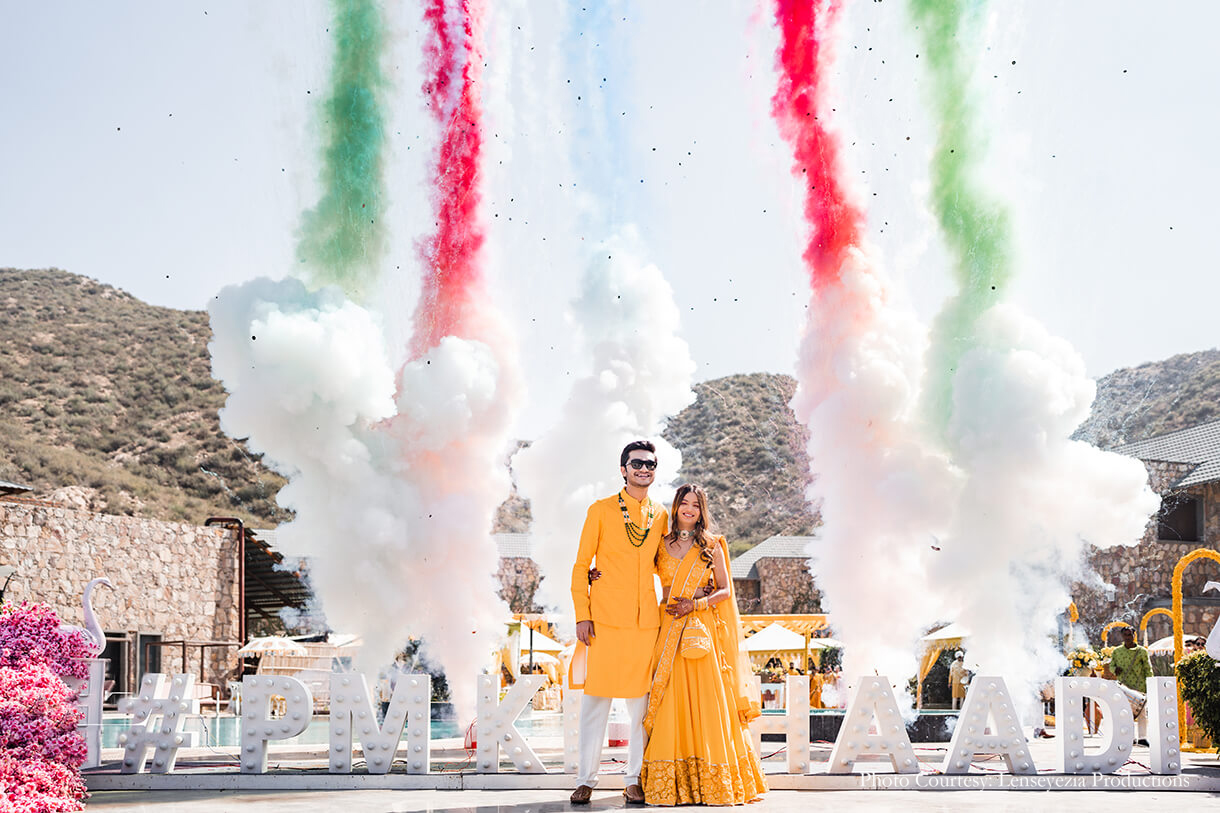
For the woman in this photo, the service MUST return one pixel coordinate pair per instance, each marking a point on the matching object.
(699, 748)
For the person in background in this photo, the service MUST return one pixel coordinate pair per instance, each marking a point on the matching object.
(957, 680)
(1132, 668)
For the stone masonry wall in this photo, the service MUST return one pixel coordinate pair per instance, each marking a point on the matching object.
(518, 583)
(748, 600)
(785, 586)
(171, 579)
(1142, 574)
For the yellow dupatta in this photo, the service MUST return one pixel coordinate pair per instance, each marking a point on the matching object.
(692, 573)
(735, 669)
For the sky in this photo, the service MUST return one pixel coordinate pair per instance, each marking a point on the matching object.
(169, 149)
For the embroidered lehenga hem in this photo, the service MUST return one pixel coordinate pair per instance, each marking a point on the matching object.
(693, 781)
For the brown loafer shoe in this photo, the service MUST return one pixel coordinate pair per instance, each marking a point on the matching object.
(581, 795)
(634, 794)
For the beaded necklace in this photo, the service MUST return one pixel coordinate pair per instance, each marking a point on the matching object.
(635, 534)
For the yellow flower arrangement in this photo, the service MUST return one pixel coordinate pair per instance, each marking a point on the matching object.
(1082, 659)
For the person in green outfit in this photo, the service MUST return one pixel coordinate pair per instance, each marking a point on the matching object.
(1132, 668)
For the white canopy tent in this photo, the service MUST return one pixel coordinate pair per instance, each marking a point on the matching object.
(775, 638)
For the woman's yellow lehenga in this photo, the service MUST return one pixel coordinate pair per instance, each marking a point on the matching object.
(699, 747)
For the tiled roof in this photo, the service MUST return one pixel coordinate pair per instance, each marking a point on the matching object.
(775, 547)
(513, 546)
(1198, 444)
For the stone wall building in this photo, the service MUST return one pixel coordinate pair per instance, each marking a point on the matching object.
(177, 589)
(518, 573)
(773, 578)
(1184, 469)
(171, 581)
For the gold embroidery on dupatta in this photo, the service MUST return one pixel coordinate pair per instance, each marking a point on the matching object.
(673, 636)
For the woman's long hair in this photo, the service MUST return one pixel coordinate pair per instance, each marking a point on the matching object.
(703, 526)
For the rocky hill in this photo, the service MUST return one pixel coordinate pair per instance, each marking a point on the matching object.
(108, 403)
(1154, 398)
(740, 440)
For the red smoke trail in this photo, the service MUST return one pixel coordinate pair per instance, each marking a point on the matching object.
(452, 264)
(798, 107)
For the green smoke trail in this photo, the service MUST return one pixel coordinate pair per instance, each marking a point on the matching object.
(975, 225)
(342, 240)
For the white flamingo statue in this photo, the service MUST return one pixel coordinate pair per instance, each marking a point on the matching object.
(92, 629)
(90, 693)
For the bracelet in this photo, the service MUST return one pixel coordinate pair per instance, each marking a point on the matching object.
(701, 604)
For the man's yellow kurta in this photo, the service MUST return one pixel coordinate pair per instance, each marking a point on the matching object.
(622, 604)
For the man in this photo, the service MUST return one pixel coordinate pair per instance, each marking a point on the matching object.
(957, 680)
(617, 615)
(1132, 668)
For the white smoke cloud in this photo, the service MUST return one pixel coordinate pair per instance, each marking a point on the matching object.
(393, 496)
(1032, 499)
(884, 492)
(625, 320)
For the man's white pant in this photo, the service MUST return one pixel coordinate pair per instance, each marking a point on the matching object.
(594, 715)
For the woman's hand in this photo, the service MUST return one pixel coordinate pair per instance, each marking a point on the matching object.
(594, 575)
(680, 607)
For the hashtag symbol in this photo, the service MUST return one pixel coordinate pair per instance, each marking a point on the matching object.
(158, 713)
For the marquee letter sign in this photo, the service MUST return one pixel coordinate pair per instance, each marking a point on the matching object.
(352, 713)
(873, 699)
(872, 725)
(257, 727)
(794, 724)
(988, 724)
(163, 701)
(496, 724)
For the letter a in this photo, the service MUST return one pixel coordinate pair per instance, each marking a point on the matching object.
(988, 699)
(870, 698)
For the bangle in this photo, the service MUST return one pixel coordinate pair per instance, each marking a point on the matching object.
(701, 604)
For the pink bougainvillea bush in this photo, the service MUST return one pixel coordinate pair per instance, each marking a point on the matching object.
(30, 633)
(40, 749)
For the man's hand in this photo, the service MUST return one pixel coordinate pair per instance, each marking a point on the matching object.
(594, 575)
(1118, 670)
(584, 632)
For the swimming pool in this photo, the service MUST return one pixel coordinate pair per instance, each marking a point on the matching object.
(225, 730)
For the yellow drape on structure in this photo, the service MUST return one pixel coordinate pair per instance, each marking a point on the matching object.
(929, 659)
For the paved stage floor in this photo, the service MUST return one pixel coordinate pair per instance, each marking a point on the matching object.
(298, 780)
(541, 801)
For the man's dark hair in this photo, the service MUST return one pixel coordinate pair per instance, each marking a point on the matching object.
(635, 446)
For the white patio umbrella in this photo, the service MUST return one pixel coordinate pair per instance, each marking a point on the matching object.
(1164, 646)
(542, 643)
(272, 645)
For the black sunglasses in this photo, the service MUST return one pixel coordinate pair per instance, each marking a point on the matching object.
(642, 464)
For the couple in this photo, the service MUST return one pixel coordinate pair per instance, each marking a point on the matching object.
(681, 672)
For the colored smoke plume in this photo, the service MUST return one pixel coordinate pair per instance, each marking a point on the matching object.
(982, 515)
(975, 223)
(627, 323)
(1032, 497)
(881, 492)
(342, 240)
(394, 477)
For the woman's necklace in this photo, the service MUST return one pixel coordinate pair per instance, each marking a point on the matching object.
(681, 543)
